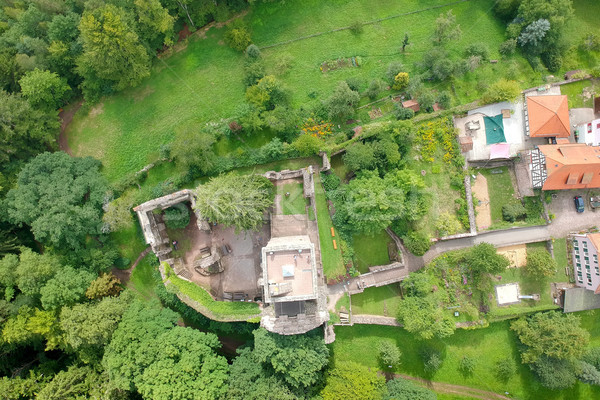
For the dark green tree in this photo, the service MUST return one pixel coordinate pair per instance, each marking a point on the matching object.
(342, 102)
(297, 360)
(66, 288)
(24, 130)
(359, 156)
(551, 334)
(423, 317)
(60, 198)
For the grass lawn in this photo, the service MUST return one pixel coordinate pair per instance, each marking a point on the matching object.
(333, 265)
(560, 252)
(370, 251)
(338, 166)
(500, 190)
(574, 91)
(295, 203)
(487, 346)
(130, 241)
(383, 300)
(142, 279)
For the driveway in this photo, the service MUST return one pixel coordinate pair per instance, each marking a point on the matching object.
(567, 219)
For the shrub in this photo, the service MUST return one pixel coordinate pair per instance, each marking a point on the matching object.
(389, 354)
(505, 369)
(393, 69)
(444, 100)
(478, 49)
(307, 145)
(432, 361)
(330, 181)
(253, 51)
(355, 83)
(467, 365)
(402, 113)
(356, 27)
(238, 38)
(417, 242)
(508, 47)
(448, 224)
(374, 89)
(400, 81)
(588, 374)
(552, 59)
(283, 62)
(122, 262)
(426, 100)
(503, 90)
(513, 212)
(177, 216)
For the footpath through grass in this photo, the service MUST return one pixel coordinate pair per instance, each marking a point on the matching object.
(486, 346)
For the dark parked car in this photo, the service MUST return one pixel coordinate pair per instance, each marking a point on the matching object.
(579, 204)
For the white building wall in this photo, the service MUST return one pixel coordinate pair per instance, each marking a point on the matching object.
(585, 262)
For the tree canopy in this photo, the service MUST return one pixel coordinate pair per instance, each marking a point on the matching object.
(349, 380)
(60, 198)
(540, 263)
(235, 200)
(423, 317)
(551, 334)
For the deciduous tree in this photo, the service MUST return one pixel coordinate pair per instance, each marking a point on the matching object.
(349, 380)
(60, 197)
(66, 288)
(235, 200)
(540, 263)
(44, 89)
(342, 102)
(422, 317)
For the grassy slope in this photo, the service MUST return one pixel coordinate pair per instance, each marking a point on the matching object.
(487, 346)
(142, 279)
(370, 250)
(333, 264)
(203, 82)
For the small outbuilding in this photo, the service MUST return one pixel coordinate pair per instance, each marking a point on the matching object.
(412, 104)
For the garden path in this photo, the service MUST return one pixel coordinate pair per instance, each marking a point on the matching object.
(66, 117)
(483, 217)
(466, 391)
(125, 274)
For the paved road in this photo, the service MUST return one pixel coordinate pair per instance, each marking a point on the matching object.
(506, 237)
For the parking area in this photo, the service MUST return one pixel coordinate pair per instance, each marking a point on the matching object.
(567, 219)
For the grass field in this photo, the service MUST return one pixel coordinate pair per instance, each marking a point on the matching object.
(383, 300)
(370, 251)
(294, 203)
(204, 82)
(487, 346)
(333, 265)
(500, 189)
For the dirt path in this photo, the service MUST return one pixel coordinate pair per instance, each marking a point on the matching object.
(466, 391)
(66, 117)
(484, 214)
(125, 274)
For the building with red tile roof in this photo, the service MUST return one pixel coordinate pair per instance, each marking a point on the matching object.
(548, 116)
(570, 166)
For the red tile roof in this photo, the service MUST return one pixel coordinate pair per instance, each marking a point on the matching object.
(571, 166)
(548, 116)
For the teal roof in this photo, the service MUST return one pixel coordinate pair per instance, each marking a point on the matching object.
(494, 129)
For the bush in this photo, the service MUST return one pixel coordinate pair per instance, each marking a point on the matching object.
(122, 262)
(253, 52)
(283, 62)
(400, 81)
(356, 27)
(238, 38)
(448, 224)
(432, 361)
(479, 50)
(402, 113)
(467, 365)
(588, 374)
(444, 100)
(374, 89)
(503, 90)
(330, 181)
(426, 100)
(254, 71)
(307, 145)
(393, 69)
(177, 216)
(540, 263)
(513, 212)
(417, 242)
(402, 389)
(389, 354)
(355, 83)
(552, 59)
(505, 369)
